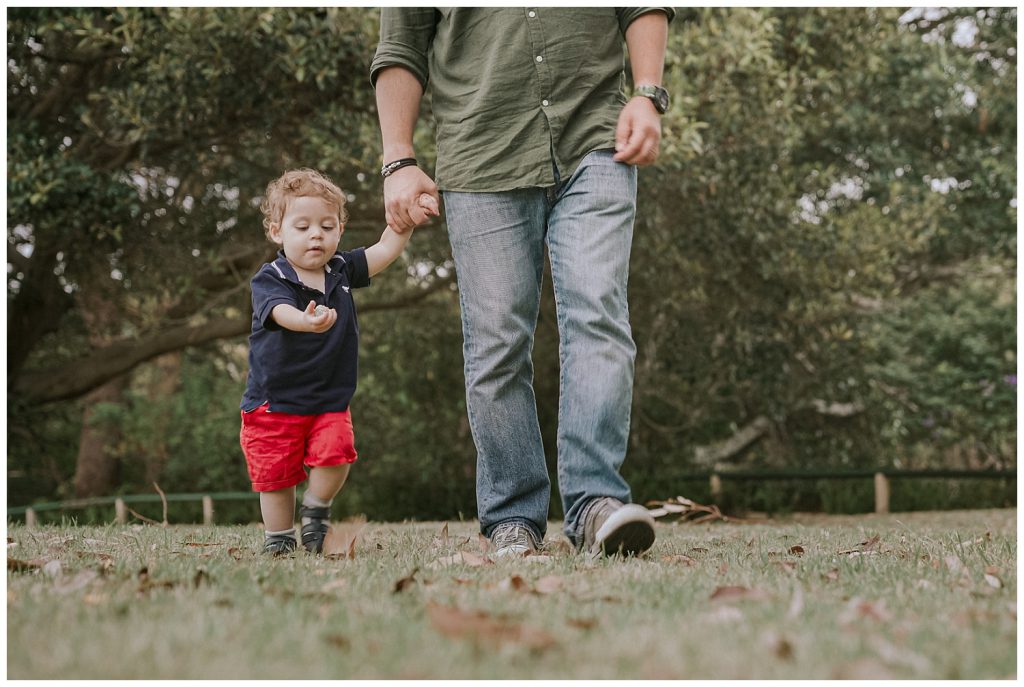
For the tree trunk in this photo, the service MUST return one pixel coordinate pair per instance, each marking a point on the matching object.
(164, 385)
(97, 470)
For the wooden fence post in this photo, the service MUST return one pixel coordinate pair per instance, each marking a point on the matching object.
(30, 518)
(716, 487)
(881, 493)
(120, 511)
(207, 510)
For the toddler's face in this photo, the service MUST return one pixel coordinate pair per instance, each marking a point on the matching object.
(309, 232)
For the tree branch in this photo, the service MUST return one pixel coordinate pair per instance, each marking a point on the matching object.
(72, 379)
(708, 456)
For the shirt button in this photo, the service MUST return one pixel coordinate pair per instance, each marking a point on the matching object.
(540, 58)
(531, 14)
(544, 103)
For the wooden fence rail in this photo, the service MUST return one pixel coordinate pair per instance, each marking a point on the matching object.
(880, 477)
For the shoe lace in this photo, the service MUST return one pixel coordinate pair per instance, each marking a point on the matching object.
(512, 535)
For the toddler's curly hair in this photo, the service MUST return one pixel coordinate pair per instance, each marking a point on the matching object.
(293, 184)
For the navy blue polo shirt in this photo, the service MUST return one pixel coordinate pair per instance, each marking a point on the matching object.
(305, 373)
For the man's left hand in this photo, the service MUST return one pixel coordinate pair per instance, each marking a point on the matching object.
(638, 135)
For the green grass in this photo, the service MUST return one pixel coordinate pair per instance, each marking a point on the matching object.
(916, 604)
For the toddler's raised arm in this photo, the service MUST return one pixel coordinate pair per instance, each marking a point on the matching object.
(391, 244)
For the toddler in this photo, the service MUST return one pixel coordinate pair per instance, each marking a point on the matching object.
(303, 355)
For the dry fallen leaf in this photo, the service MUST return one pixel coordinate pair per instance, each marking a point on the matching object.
(106, 560)
(514, 583)
(341, 538)
(146, 583)
(559, 546)
(796, 550)
(14, 565)
(486, 630)
(239, 553)
(582, 623)
(95, 599)
(779, 645)
(865, 548)
(406, 582)
(737, 592)
(859, 608)
(993, 581)
(953, 564)
(992, 576)
(441, 539)
(338, 641)
(200, 577)
(680, 558)
(832, 575)
(548, 584)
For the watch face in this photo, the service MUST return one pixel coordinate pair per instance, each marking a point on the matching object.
(661, 100)
(658, 95)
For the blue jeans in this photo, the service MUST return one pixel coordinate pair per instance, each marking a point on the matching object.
(498, 242)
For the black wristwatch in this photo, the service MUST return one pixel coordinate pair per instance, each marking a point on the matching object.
(657, 94)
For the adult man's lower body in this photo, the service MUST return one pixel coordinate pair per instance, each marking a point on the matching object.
(498, 242)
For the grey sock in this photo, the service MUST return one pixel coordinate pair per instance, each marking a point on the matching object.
(279, 535)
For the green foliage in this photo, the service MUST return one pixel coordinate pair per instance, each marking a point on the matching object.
(826, 188)
(830, 225)
(953, 349)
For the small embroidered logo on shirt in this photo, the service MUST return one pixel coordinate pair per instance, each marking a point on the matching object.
(346, 288)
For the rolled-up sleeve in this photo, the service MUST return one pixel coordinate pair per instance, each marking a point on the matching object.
(627, 15)
(405, 37)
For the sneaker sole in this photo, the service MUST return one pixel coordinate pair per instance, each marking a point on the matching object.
(628, 531)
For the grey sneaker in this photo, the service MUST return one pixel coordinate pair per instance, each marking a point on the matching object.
(513, 539)
(611, 527)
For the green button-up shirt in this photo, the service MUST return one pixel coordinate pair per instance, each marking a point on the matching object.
(516, 92)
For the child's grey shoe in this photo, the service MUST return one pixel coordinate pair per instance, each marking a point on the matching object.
(279, 544)
(314, 521)
(611, 527)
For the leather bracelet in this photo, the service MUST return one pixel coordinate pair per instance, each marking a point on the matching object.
(391, 167)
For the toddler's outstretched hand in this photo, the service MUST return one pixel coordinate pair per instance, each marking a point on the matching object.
(319, 318)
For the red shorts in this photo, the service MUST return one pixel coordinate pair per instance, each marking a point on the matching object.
(277, 445)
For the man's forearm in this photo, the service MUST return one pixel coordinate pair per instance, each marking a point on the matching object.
(398, 106)
(646, 38)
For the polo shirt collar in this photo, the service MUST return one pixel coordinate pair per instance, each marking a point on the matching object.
(285, 270)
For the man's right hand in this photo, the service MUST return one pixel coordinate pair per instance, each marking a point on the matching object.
(402, 190)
